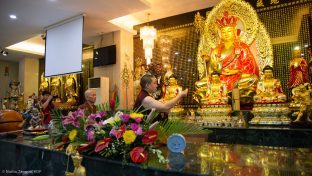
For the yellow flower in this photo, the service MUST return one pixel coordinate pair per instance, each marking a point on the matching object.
(136, 115)
(72, 134)
(129, 136)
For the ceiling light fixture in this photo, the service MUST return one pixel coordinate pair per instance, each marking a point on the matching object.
(13, 16)
(148, 35)
(4, 53)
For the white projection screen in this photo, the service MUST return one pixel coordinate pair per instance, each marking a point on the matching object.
(63, 49)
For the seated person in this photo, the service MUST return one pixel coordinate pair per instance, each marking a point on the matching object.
(216, 92)
(269, 90)
(88, 106)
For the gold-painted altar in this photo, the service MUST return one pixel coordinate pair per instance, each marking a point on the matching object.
(238, 39)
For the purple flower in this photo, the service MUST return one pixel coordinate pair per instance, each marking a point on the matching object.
(138, 119)
(78, 113)
(139, 131)
(92, 116)
(90, 135)
(136, 128)
(112, 132)
(71, 120)
(125, 117)
(102, 114)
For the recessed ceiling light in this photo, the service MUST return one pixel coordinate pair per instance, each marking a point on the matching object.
(13, 16)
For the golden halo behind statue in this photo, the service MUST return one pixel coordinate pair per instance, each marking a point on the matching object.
(251, 30)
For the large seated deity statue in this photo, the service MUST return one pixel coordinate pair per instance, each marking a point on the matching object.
(235, 44)
(269, 89)
(232, 58)
(298, 68)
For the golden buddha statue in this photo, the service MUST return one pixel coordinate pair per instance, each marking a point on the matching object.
(214, 93)
(56, 88)
(44, 84)
(79, 169)
(71, 88)
(298, 67)
(302, 99)
(170, 92)
(269, 90)
(232, 58)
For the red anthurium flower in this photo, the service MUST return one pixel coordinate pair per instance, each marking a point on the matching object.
(83, 147)
(102, 144)
(149, 137)
(120, 131)
(138, 155)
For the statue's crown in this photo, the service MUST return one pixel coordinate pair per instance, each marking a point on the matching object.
(227, 20)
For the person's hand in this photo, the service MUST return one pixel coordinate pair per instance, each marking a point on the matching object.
(184, 93)
(50, 97)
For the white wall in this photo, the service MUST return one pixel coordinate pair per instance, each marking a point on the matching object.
(28, 76)
(124, 53)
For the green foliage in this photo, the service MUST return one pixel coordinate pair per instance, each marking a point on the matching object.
(56, 116)
(103, 107)
(168, 127)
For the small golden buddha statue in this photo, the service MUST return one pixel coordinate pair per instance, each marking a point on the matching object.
(298, 67)
(71, 88)
(79, 169)
(216, 92)
(56, 88)
(44, 84)
(172, 90)
(269, 90)
(302, 99)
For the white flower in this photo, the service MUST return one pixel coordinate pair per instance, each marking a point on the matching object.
(114, 119)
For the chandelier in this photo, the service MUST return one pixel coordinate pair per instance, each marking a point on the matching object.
(148, 35)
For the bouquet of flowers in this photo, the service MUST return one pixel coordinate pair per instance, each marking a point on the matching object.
(111, 134)
(108, 133)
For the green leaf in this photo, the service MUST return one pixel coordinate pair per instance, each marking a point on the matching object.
(168, 127)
